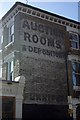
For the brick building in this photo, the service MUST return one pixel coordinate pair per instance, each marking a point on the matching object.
(45, 49)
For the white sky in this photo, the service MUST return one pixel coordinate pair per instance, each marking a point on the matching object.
(68, 9)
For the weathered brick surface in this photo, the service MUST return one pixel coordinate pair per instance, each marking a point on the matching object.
(16, 68)
(45, 81)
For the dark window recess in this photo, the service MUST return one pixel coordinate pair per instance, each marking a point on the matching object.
(76, 73)
(74, 39)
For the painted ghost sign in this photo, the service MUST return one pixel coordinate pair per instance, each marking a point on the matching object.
(43, 40)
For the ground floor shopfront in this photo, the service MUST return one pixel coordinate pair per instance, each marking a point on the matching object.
(50, 112)
(11, 98)
(32, 111)
(12, 106)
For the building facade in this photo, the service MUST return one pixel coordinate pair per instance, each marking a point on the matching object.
(45, 49)
(1, 41)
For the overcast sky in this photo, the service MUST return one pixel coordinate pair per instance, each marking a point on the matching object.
(66, 9)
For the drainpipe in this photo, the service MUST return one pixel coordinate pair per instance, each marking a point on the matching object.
(70, 109)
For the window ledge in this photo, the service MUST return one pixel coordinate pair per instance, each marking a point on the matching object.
(75, 49)
(9, 44)
(76, 88)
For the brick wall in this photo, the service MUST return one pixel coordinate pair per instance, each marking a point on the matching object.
(45, 81)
